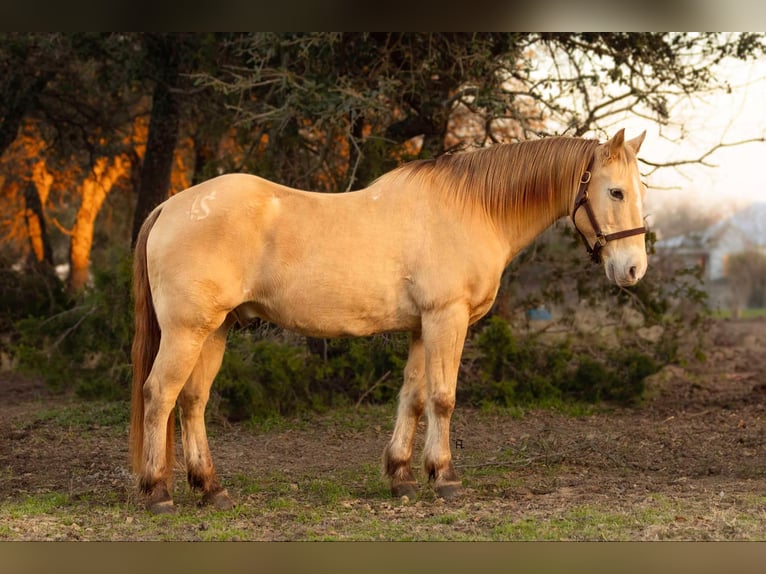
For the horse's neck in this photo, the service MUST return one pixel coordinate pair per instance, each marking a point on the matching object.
(522, 228)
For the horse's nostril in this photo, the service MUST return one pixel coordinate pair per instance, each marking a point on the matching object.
(633, 272)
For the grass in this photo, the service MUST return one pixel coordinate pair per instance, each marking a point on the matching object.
(37, 504)
(513, 500)
(86, 415)
(325, 510)
(584, 523)
(744, 313)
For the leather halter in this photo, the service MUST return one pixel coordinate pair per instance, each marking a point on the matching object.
(581, 200)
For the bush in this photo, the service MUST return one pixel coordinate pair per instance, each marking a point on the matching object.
(512, 371)
(262, 378)
(31, 292)
(529, 372)
(84, 346)
(279, 375)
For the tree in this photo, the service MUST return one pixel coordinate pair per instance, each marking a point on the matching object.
(72, 120)
(171, 60)
(363, 96)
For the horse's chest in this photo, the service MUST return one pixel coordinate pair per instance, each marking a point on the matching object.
(481, 302)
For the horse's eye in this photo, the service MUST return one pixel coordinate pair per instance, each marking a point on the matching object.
(617, 193)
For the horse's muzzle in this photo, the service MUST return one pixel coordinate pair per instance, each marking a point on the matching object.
(625, 274)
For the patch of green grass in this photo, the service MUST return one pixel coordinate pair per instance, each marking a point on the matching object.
(571, 408)
(450, 518)
(247, 483)
(341, 418)
(281, 503)
(87, 414)
(583, 523)
(36, 505)
(744, 313)
(327, 491)
(364, 481)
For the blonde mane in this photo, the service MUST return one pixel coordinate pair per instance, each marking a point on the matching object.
(530, 179)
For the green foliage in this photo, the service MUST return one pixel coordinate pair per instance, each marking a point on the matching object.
(619, 378)
(30, 292)
(266, 377)
(84, 346)
(262, 378)
(513, 371)
(528, 371)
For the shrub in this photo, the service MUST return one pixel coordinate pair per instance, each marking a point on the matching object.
(31, 292)
(279, 375)
(513, 371)
(528, 372)
(262, 378)
(84, 346)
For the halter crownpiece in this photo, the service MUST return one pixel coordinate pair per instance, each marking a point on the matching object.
(582, 200)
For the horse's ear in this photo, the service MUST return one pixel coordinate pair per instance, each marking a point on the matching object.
(635, 143)
(614, 145)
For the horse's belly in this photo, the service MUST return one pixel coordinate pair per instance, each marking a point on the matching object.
(328, 316)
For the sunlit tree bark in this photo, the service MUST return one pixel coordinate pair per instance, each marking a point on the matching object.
(94, 190)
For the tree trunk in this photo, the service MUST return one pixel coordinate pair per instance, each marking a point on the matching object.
(95, 188)
(36, 230)
(163, 129)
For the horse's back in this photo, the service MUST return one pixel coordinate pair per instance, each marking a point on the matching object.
(316, 263)
(322, 264)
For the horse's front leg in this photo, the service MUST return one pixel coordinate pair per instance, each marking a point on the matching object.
(444, 333)
(398, 454)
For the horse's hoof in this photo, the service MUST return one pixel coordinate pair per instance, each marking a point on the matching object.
(161, 507)
(220, 500)
(408, 489)
(449, 490)
(160, 501)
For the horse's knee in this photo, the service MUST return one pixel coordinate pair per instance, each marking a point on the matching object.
(414, 404)
(442, 404)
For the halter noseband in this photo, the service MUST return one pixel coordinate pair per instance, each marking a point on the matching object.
(581, 200)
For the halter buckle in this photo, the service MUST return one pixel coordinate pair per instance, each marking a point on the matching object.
(585, 179)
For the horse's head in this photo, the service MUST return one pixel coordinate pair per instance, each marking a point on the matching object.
(608, 210)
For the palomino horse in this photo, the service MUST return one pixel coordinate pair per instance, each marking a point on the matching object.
(422, 250)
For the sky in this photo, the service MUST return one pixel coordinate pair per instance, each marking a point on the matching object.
(739, 175)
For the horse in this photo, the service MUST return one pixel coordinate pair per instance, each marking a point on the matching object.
(420, 250)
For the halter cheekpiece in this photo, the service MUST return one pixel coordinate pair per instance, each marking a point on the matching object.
(582, 200)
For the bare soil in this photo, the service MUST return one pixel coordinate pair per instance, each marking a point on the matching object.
(688, 463)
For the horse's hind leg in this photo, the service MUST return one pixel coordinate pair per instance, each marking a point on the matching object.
(398, 452)
(178, 353)
(192, 400)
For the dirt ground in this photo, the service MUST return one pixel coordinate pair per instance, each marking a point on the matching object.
(693, 454)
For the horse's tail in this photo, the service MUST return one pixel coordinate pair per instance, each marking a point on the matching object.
(146, 342)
